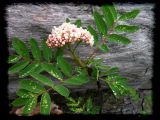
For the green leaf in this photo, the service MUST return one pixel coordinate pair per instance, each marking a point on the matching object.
(30, 105)
(59, 52)
(67, 20)
(110, 14)
(65, 67)
(113, 69)
(78, 23)
(129, 15)
(18, 66)
(14, 58)
(94, 73)
(94, 33)
(35, 49)
(77, 80)
(103, 67)
(110, 71)
(95, 110)
(45, 104)
(118, 85)
(20, 47)
(104, 48)
(96, 61)
(31, 86)
(101, 26)
(62, 90)
(25, 93)
(89, 104)
(118, 38)
(50, 68)
(126, 28)
(42, 79)
(134, 95)
(47, 52)
(27, 70)
(39, 69)
(19, 102)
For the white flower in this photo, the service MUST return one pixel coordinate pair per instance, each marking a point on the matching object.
(68, 32)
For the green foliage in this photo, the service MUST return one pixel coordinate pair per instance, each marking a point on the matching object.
(31, 86)
(50, 68)
(94, 33)
(23, 93)
(27, 70)
(118, 85)
(79, 106)
(119, 39)
(126, 28)
(35, 49)
(129, 15)
(30, 105)
(90, 109)
(67, 20)
(110, 14)
(59, 52)
(20, 47)
(39, 69)
(77, 80)
(18, 66)
(108, 70)
(101, 26)
(13, 58)
(47, 52)
(19, 102)
(62, 90)
(45, 104)
(104, 48)
(134, 95)
(65, 67)
(43, 79)
(147, 104)
(74, 105)
(78, 23)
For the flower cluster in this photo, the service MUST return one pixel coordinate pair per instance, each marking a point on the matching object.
(68, 33)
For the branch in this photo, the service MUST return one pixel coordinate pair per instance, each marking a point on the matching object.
(103, 41)
(75, 57)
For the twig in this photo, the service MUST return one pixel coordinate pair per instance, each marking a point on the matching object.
(75, 57)
(103, 41)
(76, 46)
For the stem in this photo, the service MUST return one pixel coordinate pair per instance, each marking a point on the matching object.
(100, 92)
(75, 57)
(76, 45)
